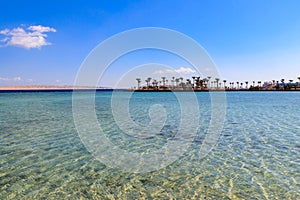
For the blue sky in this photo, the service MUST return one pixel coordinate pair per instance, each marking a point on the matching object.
(248, 40)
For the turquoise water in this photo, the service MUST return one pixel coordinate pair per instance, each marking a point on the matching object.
(256, 157)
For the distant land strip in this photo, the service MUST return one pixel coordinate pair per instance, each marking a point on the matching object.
(48, 88)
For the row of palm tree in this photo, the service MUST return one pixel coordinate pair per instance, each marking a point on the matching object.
(164, 83)
(175, 83)
(196, 83)
(240, 85)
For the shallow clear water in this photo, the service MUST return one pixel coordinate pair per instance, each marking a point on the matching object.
(256, 157)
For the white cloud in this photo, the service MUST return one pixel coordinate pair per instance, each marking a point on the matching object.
(185, 70)
(181, 70)
(4, 79)
(41, 29)
(15, 79)
(32, 37)
(4, 39)
(4, 32)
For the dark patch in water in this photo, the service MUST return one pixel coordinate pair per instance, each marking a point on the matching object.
(198, 139)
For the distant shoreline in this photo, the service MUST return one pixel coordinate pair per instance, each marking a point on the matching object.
(49, 88)
(11, 89)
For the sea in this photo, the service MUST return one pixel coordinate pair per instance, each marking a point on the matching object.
(149, 145)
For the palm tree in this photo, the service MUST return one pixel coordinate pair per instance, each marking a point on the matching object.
(209, 77)
(181, 79)
(242, 84)
(193, 77)
(273, 84)
(247, 84)
(163, 81)
(259, 83)
(290, 84)
(237, 85)
(253, 83)
(217, 80)
(205, 81)
(197, 81)
(173, 81)
(148, 80)
(188, 83)
(177, 81)
(224, 81)
(299, 81)
(277, 85)
(282, 82)
(147, 83)
(138, 83)
(154, 84)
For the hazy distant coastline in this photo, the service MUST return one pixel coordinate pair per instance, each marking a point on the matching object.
(49, 88)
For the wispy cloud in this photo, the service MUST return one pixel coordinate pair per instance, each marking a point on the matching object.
(14, 79)
(181, 70)
(31, 37)
(17, 79)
